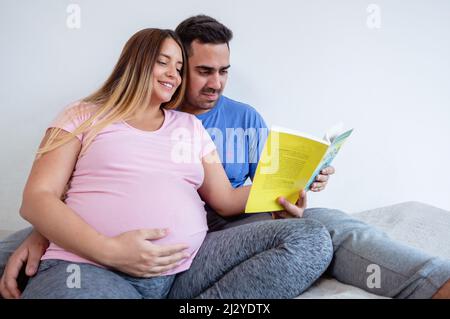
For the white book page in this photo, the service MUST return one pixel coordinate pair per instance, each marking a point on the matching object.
(334, 132)
(298, 133)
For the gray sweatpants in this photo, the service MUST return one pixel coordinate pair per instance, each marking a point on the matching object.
(280, 259)
(359, 251)
(365, 256)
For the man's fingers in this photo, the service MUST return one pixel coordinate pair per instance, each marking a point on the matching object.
(5, 293)
(14, 265)
(10, 275)
(317, 187)
(9, 288)
(322, 178)
(328, 170)
(34, 257)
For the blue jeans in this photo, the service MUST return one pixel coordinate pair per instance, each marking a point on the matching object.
(280, 259)
(59, 279)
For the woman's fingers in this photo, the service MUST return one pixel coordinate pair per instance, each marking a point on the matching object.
(158, 271)
(170, 260)
(170, 250)
(291, 209)
(302, 202)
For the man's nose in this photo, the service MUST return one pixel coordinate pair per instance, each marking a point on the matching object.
(214, 82)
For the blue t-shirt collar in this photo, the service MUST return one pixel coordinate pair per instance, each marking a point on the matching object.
(212, 111)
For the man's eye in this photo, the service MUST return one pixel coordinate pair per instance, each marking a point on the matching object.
(224, 71)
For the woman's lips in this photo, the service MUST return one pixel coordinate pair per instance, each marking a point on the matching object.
(167, 85)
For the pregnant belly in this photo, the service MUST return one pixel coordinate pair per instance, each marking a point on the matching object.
(111, 213)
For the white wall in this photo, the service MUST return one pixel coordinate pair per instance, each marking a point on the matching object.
(302, 64)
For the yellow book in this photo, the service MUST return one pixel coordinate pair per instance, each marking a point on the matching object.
(290, 161)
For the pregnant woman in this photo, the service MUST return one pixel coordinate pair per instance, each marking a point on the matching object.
(118, 187)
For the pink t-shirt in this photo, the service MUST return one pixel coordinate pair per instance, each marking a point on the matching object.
(132, 179)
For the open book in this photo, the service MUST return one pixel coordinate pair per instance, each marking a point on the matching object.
(290, 161)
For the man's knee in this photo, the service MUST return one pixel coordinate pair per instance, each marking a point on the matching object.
(14, 240)
(336, 221)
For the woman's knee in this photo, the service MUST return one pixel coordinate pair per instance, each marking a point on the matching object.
(307, 251)
(312, 240)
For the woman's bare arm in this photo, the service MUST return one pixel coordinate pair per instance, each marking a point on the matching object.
(42, 205)
(217, 191)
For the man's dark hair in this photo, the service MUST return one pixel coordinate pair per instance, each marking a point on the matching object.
(204, 29)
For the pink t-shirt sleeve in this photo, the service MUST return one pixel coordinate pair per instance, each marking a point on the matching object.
(207, 144)
(71, 117)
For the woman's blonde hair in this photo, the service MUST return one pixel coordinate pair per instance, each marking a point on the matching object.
(126, 92)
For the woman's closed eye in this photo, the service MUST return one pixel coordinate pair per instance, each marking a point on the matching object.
(165, 63)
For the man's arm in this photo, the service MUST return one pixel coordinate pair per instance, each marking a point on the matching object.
(29, 253)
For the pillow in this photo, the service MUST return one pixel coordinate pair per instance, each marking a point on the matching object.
(417, 224)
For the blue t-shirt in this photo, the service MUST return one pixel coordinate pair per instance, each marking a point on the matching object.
(239, 133)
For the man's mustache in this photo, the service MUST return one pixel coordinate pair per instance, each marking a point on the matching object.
(210, 91)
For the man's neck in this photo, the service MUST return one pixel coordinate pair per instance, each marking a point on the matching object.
(192, 109)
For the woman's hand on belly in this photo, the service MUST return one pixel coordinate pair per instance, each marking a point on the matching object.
(133, 253)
